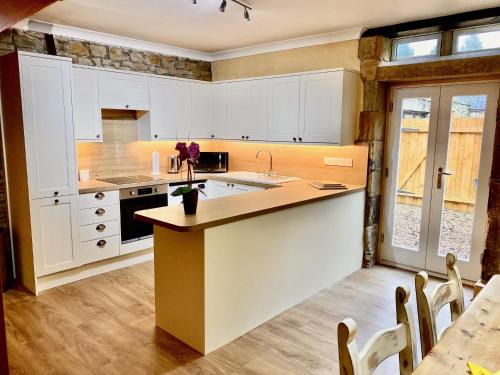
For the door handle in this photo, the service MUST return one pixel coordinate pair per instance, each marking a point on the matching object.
(442, 173)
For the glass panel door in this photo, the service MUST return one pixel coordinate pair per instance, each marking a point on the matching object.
(466, 130)
(409, 175)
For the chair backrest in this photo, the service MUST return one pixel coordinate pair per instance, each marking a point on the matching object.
(382, 345)
(430, 303)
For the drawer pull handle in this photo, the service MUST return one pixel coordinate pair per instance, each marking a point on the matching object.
(56, 201)
(100, 211)
(101, 243)
(56, 193)
(99, 196)
(100, 228)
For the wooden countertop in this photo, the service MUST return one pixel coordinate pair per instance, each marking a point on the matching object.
(475, 337)
(218, 211)
(93, 186)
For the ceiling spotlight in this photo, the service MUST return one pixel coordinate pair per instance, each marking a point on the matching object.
(222, 7)
(246, 15)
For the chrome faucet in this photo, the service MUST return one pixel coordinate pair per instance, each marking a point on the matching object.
(270, 172)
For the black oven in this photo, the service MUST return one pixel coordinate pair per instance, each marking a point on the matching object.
(136, 199)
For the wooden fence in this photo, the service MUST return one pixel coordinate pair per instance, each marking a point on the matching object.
(463, 159)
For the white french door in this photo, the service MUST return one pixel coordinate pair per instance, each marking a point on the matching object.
(437, 179)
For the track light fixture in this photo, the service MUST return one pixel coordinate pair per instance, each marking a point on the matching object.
(223, 5)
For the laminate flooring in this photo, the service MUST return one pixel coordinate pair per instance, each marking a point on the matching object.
(106, 325)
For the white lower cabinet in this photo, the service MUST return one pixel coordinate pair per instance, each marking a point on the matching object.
(99, 249)
(99, 230)
(215, 189)
(99, 226)
(54, 225)
(99, 214)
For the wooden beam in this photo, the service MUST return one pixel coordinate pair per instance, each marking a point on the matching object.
(14, 11)
(477, 67)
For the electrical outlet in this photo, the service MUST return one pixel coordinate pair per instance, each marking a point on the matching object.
(348, 162)
(333, 161)
(337, 162)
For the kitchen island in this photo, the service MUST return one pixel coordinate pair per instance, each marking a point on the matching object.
(243, 259)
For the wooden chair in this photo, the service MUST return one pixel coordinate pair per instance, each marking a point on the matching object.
(382, 345)
(430, 303)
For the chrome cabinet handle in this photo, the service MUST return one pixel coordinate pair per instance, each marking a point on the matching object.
(99, 196)
(101, 243)
(100, 228)
(442, 173)
(100, 211)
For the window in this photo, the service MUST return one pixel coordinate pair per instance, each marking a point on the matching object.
(476, 39)
(416, 47)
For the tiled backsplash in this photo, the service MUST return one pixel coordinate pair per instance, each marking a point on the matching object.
(121, 154)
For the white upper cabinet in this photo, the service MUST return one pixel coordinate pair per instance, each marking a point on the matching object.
(86, 110)
(328, 107)
(123, 91)
(247, 110)
(283, 112)
(200, 110)
(48, 126)
(170, 113)
(54, 225)
(218, 110)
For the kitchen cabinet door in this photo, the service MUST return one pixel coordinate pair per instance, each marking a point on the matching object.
(247, 110)
(86, 110)
(170, 113)
(200, 110)
(48, 126)
(283, 112)
(218, 111)
(54, 224)
(123, 91)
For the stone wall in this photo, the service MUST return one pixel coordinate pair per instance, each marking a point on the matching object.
(95, 54)
(371, 131)
(372, 124)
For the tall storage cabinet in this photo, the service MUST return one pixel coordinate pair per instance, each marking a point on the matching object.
(40, 163)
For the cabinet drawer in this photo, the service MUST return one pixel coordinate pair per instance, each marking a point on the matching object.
(99, 214)
(99, 230)
(92, 251)
(98, 199)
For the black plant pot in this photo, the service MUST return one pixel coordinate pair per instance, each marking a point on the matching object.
(190, 201)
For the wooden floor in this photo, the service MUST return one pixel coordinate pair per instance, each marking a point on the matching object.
(105, 325)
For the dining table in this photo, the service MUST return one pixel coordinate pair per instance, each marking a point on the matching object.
(473, 337)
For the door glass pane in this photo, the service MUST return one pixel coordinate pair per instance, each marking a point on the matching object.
(415, 118)
(464, 150)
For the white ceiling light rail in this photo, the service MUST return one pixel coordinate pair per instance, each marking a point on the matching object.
(223, 6)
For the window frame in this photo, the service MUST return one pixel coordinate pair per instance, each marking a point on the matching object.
(409, 39)
(469, 31)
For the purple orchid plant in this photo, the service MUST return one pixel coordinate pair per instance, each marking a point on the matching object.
(190, 155)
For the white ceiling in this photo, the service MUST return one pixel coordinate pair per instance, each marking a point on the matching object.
(203, 28)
